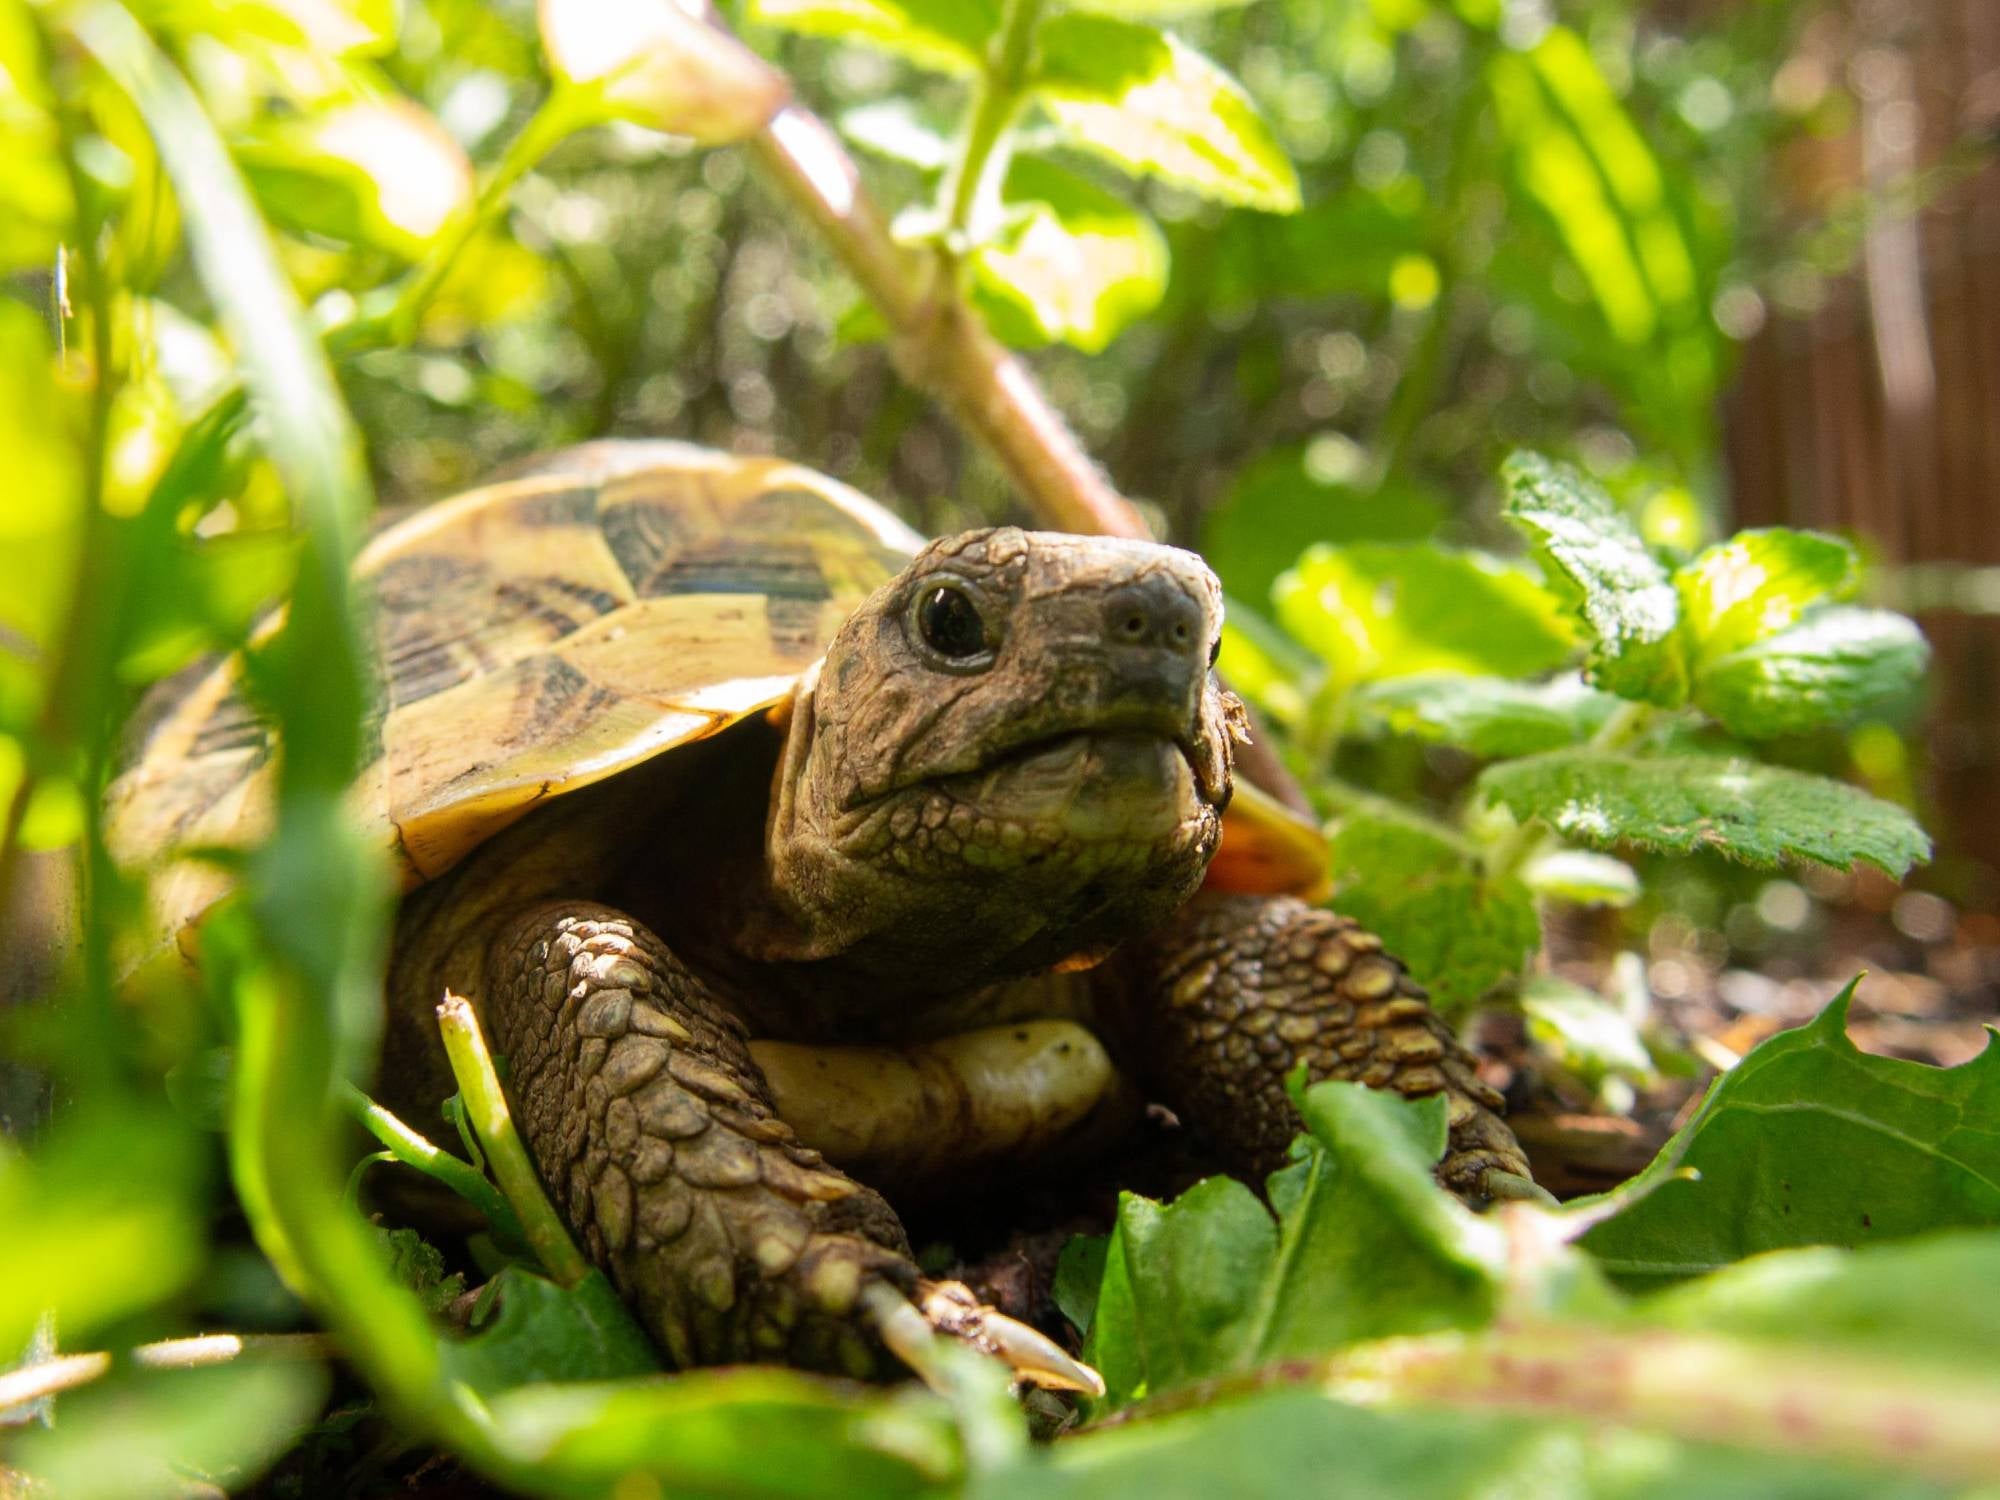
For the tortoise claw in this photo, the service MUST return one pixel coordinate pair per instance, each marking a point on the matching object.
(909, 1330)
(1501, 1186)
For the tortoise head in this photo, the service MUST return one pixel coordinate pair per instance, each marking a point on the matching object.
(1015, 752)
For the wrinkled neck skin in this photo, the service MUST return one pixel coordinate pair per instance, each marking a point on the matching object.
(928, 835)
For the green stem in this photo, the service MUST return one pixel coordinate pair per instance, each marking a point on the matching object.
(486, 1106)
(973, 177)
(414, 1150)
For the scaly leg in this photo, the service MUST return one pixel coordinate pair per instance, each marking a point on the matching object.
(653, 1128)
(1240, 990)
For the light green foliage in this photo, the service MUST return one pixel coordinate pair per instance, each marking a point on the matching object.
(1486, 716)
(1583, 1034)
(417, 1264)
(1762, 815)
(1835, 663)
(1585, 878)
(1757, 584)
(1620, 591)
(1809, 1141)
(535, 1332)
(1376, 610)
(949, 35)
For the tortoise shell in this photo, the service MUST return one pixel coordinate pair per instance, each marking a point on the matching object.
(540, 634)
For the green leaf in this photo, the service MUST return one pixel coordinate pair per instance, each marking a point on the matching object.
(1072, 264)
(1582, 877)
(544, 1332)
(657, 64)
(1265, 665)
(1418, 886)
(165, 1433)
(1584, 1033)
(1144, 99)
(1610, 579)
(1154, 10)
(1282, 503)
(1490, 717)
(1810, 1141)
(1364, 1245)
(1757, 584)
(1835, 663)
(745, 1432)
(1377, 610)
(893, 128)
(947, 35)
(1762, 815)
(419, 1265)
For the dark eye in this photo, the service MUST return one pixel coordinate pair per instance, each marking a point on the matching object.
(950, 624)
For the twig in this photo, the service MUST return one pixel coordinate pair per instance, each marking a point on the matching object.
(67, 1372)
(415, 1150)
(486, 1106)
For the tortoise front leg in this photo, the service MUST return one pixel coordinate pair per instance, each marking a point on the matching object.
(654, 1130)
(1239, 990)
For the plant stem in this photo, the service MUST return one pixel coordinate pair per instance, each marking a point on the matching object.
(415, 1150)
(972, 180)
(486, 1106)
(68, 1371)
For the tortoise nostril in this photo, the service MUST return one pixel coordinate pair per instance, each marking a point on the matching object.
(1134, 627)
(1155, 612)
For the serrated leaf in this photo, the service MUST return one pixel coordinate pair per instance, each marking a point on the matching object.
(1489, 717)
(653, 63)
(1835, 663)
(1810, 1141)
(544, 1332)
(1759, 583)
(1616, 586)
(1582, 877)
(1378, 610)
(949, 36)
(1073, 264)
(1363, 1245)
(1762, 815)
(1149, 102)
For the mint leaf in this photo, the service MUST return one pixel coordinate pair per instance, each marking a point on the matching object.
(1762, 815)
(1382, 609)
(1810, 1141)
(1363, 1245)
(1491, 717)
(949, 36)
(1835, 663)
(1149, 102)
(1758, 583)
(1072, 264)
(1615, 585)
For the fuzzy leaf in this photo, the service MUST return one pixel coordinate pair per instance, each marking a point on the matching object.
(1810, 1141)
(1762, 815)
(947, 35)
(1758, 583)
(1616, 586)
(1491, 717)
(1835, 663)
(1149, 102)
(1377, 610)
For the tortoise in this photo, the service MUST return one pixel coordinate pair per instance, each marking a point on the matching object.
(794, 864)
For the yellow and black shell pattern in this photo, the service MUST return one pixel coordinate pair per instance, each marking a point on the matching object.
(530, 638)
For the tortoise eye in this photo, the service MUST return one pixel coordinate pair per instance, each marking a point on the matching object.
(950, 624)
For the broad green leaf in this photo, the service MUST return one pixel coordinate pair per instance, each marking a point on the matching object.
(1489, 717)
(1810, 1141)
(1265, 665)
(40, 505)
(1418, 886)
(1762, 815)
(1376, 610)
(1072, 264)
(1757, 584)
(167, 1434)
(893, 128)
(1837, 662)
(1583, 1032)
(746, 1432)
(948, 35)
(1146, 100)
(380, 173)
(1595, 556)
(1363, 1245)
(543, 1332)
(653, 63)
(1582, 877)
(1281, 504)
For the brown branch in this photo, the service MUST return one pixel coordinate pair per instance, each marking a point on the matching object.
(68, 1371)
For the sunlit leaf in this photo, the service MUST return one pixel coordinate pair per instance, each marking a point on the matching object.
(1144, 99)
(1834, 664)
(893, 128)
(40, 503)
(1758, 583)
(1586, 879)
(1584, 1034)
(1486, 716)
(1761, 815)
(653, 63)
(948, 35)
(1073, 264)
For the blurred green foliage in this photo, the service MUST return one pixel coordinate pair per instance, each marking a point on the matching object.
(1302, 271)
